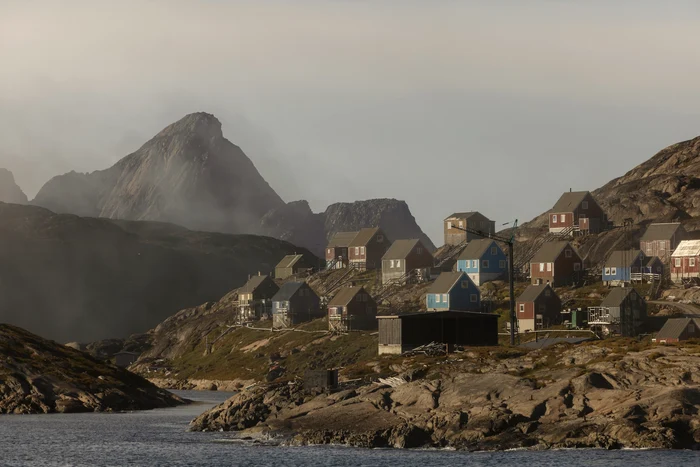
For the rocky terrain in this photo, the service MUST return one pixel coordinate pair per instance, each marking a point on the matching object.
(611, 394)
(71, 278)
(10, 192)
(40, 376)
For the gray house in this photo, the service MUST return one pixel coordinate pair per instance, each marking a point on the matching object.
(255, 298)
(621, 313)
(403, 258)
(295, 303)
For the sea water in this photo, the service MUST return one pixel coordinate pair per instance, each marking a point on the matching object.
(160, 438)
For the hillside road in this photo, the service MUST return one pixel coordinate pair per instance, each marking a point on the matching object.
(686, 308)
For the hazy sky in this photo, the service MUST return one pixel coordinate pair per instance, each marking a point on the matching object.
(496, 106)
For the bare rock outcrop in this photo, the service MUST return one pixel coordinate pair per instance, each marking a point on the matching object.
(10, 192)
(586, 396)
(40, 376)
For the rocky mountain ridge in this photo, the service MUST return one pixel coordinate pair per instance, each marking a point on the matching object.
(73, 278)
(40, 376)
(10, 192)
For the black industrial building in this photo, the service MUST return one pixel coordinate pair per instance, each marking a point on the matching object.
(401, 333)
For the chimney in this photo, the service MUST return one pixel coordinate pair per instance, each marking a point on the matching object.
(569, 190)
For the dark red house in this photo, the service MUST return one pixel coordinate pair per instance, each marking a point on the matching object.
(557, 264)
(365, 251)
(577, 211)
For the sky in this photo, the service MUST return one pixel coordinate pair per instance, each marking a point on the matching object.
(496, 106)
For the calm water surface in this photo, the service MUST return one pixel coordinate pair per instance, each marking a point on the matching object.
(159, 438)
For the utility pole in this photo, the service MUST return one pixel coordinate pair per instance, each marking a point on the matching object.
(511, 267)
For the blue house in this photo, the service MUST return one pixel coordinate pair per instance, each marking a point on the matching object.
(483, 260)
(623, 266)
(453, 291)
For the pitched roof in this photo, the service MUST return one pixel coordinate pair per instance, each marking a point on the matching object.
(288, 261)
(617, 296)
(532, 292)
(550, 251)
(401, 248)
(651, 260)
(341, 239)
(624, 259)
(476, 248)
(463, 215)
(660, 231)
(445, 282)
(674, 327)
(345, 296)
(687, 248)
(252, 284)
(364, 236)
(569, 201)
(287, 291)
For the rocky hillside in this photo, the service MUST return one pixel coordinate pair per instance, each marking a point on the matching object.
(296, 223)
(10, 192)
(188, 174)
(82, 279)
(40, 376)
(607, 394)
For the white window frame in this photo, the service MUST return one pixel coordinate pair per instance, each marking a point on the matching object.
(475, 264)
(330, 251)
(607, 271)
(357, 250)
(461, 224)
(449, 225)
(563, 218)
(691, 262)
(391, 263)
(549, 267)
(362, 250)
(613, 271)
(444, 298)
(677, 262)
(398, 263)
(522, 308)
(473, 298)
(485, 263)
(541, 267)
(554, 218)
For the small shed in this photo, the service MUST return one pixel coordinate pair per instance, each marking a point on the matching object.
(453, 291)
(352, 309)
(538, 307)
(677, 330)
(124, 359)
(401, 333)
(292, 265)
(295, 303)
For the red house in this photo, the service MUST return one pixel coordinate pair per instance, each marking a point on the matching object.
(685, 261)
(365, 251)
(337, 254)
(577, 211)
(557, 264)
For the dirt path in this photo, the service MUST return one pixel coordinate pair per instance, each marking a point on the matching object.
(687, 308)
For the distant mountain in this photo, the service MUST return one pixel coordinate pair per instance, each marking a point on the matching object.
(10, 192)
(188, 174)
(71, 278)
(296, 223)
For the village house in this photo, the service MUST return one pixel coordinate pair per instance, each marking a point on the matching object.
(352, 309)
(402, 333)
(557, 264)
(453, 291)
(622, 312)
(678, 329)
(538, 307)
(295, 303)
(255, 298)
(483, 260)
(366, 250)
(577, 211)
(291, 265)
(337, 254)
(472, 220)
(623, 266)
(403, 258)
(685, 261)
(662, 239)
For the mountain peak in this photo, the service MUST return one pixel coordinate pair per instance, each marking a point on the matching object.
(201, 124)
(10, 192)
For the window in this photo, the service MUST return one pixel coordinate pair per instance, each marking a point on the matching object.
(391, 263)
(577, 266)
(563, 218)
(357, 250)
(461, 223)
(494, 251)
(691, 327)
(329, 251)
(485, 263)
(549, 267)
(613, 271)
(475, 263)
(554, 219)
(567, 253)
(444, 298)
(547, 293)
(474, 298)
(449, 225)
(362, 250)
(584, 205)
(607, 271)
(691, 262)
(419, 250)
(658, 269)
(398, 263)
(380, 238)
(502, 264)
(678, 262)
(522, 308)
(465, 284)
(541, 267)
